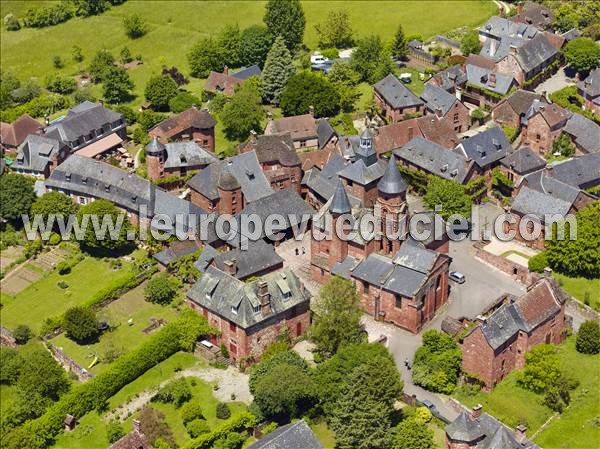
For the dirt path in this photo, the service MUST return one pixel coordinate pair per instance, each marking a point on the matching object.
(230, 381)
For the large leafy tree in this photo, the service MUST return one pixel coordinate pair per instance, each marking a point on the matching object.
(337, 317)
(285, 18)
(105, 212)
(336, 30)
(399, 44)
(345, 80)
(469, 44)
(256, 43)
(437, 363)
(134, 26)
(371, 60)
(581, 256)
(230, 42)
(278, 69)
(205, 56)
(582, 54)
(450, 195)
(160, 90)
(362, 417)
(588, 338)
(161, 289)
(243, 113)
(307, 89)
(16, 196)
(102, 61)
(262, 369)
(410, 434)
(80, 324)
(116, 85)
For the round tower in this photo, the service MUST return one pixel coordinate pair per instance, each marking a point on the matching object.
(156, 154)
(391, 207)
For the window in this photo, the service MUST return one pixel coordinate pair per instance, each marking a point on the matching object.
(538, 137)
(398, 302)
(366, 287)
(456, 117)
(234, 310)
(350, 183)
(232, 327)
(205, 142)
(81, 200)
(256, 309)
(302, 143)
(233, 347)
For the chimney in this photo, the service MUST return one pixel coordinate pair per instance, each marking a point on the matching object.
(519, 7)
(480, 319)
(311, 110)
(231, 267)
(520, 433)
(439, 112)
(513, 50)
(265, 298)
(226, 70)
(253, 137)
(547, 272)
(136, 426)
(492, 80)
(476, 412)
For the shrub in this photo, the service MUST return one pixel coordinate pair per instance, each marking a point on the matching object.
(114, 431)
(238, 423)
(80, 324)
(11, 23)
(44, 16)
(223, 411)
(422, 415)
(437, 363)
(176, 392)
(22, 334)
(588, 338)
(32, 248)
(197, 427)
(54, 239)
(183, 101)
(538, 262)
(60, 84)
(57, 62)
(134, 25)
(190, 411)
(63, 268)
(161, 289)
(330, 53)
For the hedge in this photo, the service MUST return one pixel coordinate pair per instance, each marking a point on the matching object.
(237, 423)
(93, 394)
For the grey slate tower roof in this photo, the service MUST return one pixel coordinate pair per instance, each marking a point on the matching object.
(340, 204)
(154, 147)
(365, 150)
(392, 182)
(291, 436)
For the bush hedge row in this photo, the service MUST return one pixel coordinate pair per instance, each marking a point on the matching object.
(237, 423)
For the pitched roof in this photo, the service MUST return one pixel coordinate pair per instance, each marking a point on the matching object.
(435, 159)
(176, 250)
(534, 202)
(395, 93)
(257, 258)
(486, 147)
(340, 204)
(301, 127)
(553, 114)
(523, 161)
(584, 132)
(535, 52)
(36, 152)
(275, 148)
(580, 172)
(362, 174)
(291, 436)
(14, 134)
(484, 78)
(238, 301)
(316, 158)
(520, 101)
(392, 182)
(82, 120)
(324, 132)
(436, 98)
(552, 186)
(591, 85)
(133, 440)
(503, 27)
(190, 118)
(480, 61)
(244, 171)
(535, 14)
(246, 72)
(222, 82)
(187, 154)
(449, 78)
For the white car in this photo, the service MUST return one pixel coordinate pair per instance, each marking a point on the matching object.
(318, 58)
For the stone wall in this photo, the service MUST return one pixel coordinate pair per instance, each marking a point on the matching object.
(69, 364)
(6, 338)
(517, 271)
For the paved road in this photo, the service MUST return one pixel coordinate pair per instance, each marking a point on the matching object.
(555, 82)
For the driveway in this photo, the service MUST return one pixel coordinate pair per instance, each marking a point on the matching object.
(556, 82)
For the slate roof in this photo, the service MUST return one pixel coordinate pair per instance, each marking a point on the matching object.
(520, 101)
(534, 202)
(395, 93)
(553, 114)
(392, 182)
(345, 267)
(552, 186)
(591, 85)
(257, 258)
(324, 132)
(291, 436)
(246, 72)
(362, 174)
(301, 127)
(187, 154)
(238, 302)
(580, 172)
(486, 147)
(243, 168)
(523, 161)
(35, 153)
(275, 148)
(14, 134)
(340, 204)
(535, 52)
(449, 78)
(480, 77)
(175, 251)
(84, 119)
(436, 98)
(585, 132)
(190, 118)
(535, 14)
(435, 159)
(501, 27)
(573, 33)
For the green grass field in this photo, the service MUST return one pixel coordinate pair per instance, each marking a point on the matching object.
(124, 337)
(578, 287)
(174, 27)
(44, 299)
(575, 428)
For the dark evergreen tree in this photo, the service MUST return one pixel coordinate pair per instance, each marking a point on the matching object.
(278, 69)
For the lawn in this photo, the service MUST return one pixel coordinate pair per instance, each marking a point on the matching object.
(124, 337)
(514, 405)
(324, 434)
(577, 287)
(174, 27)
(44, 298)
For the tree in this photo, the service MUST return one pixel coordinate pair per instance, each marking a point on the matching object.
(242, 114)
(469, 44)
(190, 411)
(256, 43)
(588, 338)
(161, 289)
(155, 427)
(77, 53)
(285, 18)
(116, 85)
(57, 62)
(177, 76)
(182, 101)
(410, 434)
(538, 262)
(160, 90)
(362, 417)
(345, 80)
(262, 369)
(278, 69)
(582, 54)
(222, 411)
(205, 57)
(307, 89)
(125, 55)
(135, 26)
(566, 17)
(337, 317)
(230, 42)
(184, 267)
(450, 195)
(336, 30)
(148, 119)
(564, 145)
(399, 45)
(10, 365)
(176, 392)
(41, 375)
(80, 324)
(110, 243)
(370, 60)
(86, 8)
(197, 427)
(53, 203)
(22, 334)
(60, 84)
(437, 363)
(114, 431)
(16, 196)
(581, 256)
(100, 64)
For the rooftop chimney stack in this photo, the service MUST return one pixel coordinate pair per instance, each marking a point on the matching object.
(231, 267)
(476, 412)
(265, 298)
(226, 70)
(136, 426)
(311, 110)
(253, 137)
(492, 79)
(520, 433)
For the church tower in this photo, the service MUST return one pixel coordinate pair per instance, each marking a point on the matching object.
(340, 205)
(391, 208)
(156, 154)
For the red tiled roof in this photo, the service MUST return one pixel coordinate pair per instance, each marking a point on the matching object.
(480, 61)
(221, 82)
(539, 303)
(430, 127)
(301, 127)
(317, 158)
(190, 118)
(14, 134)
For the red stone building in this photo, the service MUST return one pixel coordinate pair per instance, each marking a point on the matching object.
(511, 110)
(307, 132)
(499, 343)
(446, 107)
(251, 315)
(175, 158)
(192, 124)
(589, 89)
(395, 101)
(13, 134)
(542, 125)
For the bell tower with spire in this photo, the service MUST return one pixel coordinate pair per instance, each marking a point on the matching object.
(340, 205)
(391, 208)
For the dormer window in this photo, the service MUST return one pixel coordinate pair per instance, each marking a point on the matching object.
(107, 187)
(234, 310)
(250, 175)
(84, 179)
(256, 309)
(68, 177)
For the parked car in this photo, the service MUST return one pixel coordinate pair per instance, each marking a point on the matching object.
(428, 404)
(457, 277)
(318, 58)
(406, 78)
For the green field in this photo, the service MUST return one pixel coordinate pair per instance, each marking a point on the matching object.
(173, 28)
(575, 428)
(44, 299)
(578, 287)
(124, 337)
